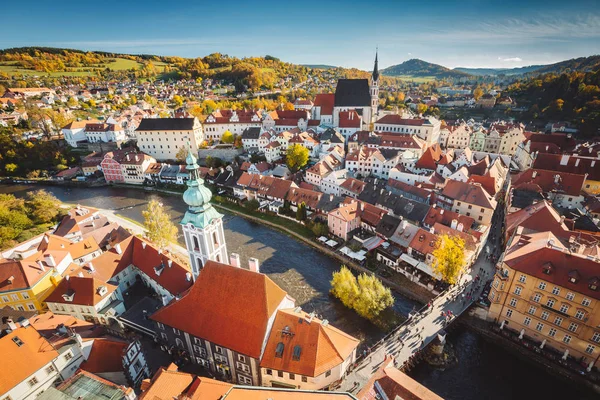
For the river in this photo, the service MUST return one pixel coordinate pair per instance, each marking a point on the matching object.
(485, 370)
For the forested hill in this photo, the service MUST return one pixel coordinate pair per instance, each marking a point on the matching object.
(583, 64)
(420, 68)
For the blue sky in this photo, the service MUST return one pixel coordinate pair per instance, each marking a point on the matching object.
(473, 33)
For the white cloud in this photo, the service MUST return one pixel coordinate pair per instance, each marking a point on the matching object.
(510, 59)
(410, 54)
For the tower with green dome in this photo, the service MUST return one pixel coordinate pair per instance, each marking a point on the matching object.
(202, 224)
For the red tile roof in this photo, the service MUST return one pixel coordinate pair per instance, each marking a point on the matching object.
(309, 197)
(395, 119)
(570, 164)
(227, 306)
(430, 158)
(105, 356)
(322, 347)
(471, 193)
(445, 217)
(85, 291)
(349, 119)
(326, 102)
(549, 181)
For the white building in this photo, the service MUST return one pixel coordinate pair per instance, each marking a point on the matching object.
(105, 133)
(134, 166)
(162, 138)
(74, 132)
(234, 121)
(427, 129)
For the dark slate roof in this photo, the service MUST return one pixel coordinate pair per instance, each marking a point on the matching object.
(524, 198)
(166, 124)
(332, 135)
(388, 225)
(352, 92)
(327, 203)
(251, 133)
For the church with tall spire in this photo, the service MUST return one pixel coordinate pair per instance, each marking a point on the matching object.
(374, 90)
(202, 224)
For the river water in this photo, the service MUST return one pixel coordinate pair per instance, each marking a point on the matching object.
(484, 371)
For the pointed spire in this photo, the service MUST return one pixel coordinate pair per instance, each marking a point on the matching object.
(375, 68)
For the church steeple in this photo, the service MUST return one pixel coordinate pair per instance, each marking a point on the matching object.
(375, 69)
(202, 224)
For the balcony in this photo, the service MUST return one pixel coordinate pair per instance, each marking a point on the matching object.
(555, 311)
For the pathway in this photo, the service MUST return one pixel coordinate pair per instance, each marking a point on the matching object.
(416, 333)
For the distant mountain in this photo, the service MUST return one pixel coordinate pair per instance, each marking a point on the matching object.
(319, 66)
(582, 64)
(499, 71)
(420, 68)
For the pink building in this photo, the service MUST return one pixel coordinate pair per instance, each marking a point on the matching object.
(111, 166)
(344, 219)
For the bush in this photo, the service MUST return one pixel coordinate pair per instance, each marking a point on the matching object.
(252, 205)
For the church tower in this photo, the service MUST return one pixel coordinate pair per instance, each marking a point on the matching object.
(202, 225)
(374, 91)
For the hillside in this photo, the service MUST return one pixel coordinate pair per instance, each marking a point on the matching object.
(319, 66)
(582, 64)
(420, 68)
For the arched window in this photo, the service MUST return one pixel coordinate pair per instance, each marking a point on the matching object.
(196, 244)
(215, 239)
(179, 343)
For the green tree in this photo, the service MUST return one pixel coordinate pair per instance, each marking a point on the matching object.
(477, 93)
(227, 137)
(449, 254)
(374, 296)
(297, 157)
(252, 205)
(301, 212)
(10, 168)
(421, 108)
(320, 229)
(161, 231)
(43, 205)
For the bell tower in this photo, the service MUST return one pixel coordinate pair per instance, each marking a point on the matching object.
(202, 224)
(374, 89)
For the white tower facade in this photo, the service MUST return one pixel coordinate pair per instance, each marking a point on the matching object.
(374, 89)
(202, 225)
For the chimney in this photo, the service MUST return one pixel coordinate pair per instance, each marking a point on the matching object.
(170, 263)
(234, 260)
(50, 260)
(577, 162)
(137, 158)
(143, 245)
(564, 160)
(67, 277)
(253, 264)
(41, 265)
(11, 279)
(188, 276)
(128, 158)
(534, 174)
(118, 248)
(80, 274)
(331, 197)
(453, 224)
(11, 324)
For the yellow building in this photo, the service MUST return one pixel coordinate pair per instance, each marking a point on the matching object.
(549, 293)
(24, 284)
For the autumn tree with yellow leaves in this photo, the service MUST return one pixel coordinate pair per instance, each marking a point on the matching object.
(449, 256)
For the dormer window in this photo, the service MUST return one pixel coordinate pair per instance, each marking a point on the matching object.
(574, 276)
(279, 350)
(68, 296)
(297, 353)
(102, 290)
(593, 283)
(547, 268)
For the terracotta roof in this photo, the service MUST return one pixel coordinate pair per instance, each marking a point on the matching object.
(395, 119)
(353, 185)
(349, 119)
(549, 181)
(487, 182)
(539, 217)
(83, 247)
(430, 158)
(321, 169)
(48, 322)
(264, 393)
(471, 193)
(533, 256)
(445, 217)
(347, 212)
(106, 355)
(390, 382)
(401, 141)
(85, 291)
(570, 164)
(80, 124)
(34, 353)
(326, 102)
(17, 275)
(424, 241)
(167, 383)
(224, 117)
(321, 346)
(309, 197)
(228, 306)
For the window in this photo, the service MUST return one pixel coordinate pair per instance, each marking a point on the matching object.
(197, 341)
(509, 313)
(241, 358)
(33, 381)
(15, 297)
(545, 315)
(518, 290)
(522, 278)
(532, 310)
(327, 373)
(176, 331)
(164, 336)
(586, 302)
(590, 349)
(292, 376)
(219, 349)
(567, 339)
(244, 380)
(550, 303)
(552, 332)
(537, 297)
(573, 327)
(539, 326)
(596, 337)
(220, 358)
(513, 302)
(279, 350)
(542, 285)
(68, 356)
(564, 308)
(160, 326)
(25, 295)
(50, 369)
(179, 343)
(556, 290)
(304, 379)
(558, 321)
(526, 321)
(269, 372)
(280, 374)
(297, 353)
(242, 367)
(570, 296)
